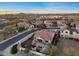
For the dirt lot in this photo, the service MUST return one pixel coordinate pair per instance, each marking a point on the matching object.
(68, 47)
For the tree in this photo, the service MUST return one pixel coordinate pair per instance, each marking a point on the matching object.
(21, 28)
(51, 50)
(41, 26)
(30, 21)
(8, 31)
(14, 49)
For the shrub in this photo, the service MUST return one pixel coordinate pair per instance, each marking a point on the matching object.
(51, 50)
(26, 50)
(14, 49)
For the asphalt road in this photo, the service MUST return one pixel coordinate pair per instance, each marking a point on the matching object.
(13, 40)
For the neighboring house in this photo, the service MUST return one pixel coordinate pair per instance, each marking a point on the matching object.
(2, 21)
(31, 27)
(23, 24)
(38, 22)
(43, 37)
(70, 33)
(51, 24)
(64, 32)
(61, 22)
(23, 20)
(77, 24)
(48, 23)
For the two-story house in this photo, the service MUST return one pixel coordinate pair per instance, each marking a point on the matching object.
(70, 33)
(43, 37)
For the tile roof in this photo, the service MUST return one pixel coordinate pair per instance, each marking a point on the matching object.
(45, 34)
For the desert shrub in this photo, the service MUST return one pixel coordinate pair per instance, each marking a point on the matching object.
(14, 49)
(51, 50)
(26, 50)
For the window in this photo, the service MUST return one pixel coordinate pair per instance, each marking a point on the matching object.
(39, 40)
(40, 46)
(61, 35)
(70, 38)
(46, 41)
(66, 32)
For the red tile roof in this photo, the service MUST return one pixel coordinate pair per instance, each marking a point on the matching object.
(45, 34)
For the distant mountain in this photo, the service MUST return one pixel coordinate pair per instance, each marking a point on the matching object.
(33, 13)
(7, 12)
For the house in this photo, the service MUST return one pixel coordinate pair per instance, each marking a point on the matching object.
(48, 23)
(70, 33)
(52, 24)
(61, 22)
(39, 21)
(31, 27)
(43, 37)
(77, 24)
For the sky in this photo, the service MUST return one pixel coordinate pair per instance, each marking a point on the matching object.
(40, 7)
